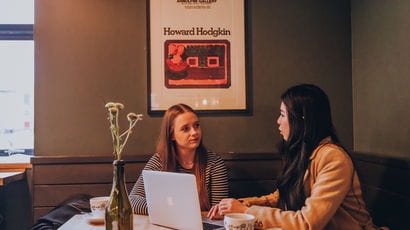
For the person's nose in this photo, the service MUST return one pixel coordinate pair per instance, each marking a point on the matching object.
(278, 120)
(194, 131)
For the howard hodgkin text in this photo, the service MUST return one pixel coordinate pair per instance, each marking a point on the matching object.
(196, 1)
(200, 31)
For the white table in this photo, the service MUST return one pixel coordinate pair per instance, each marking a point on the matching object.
(79, 222)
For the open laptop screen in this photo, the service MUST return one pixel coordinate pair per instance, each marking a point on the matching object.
(172, 199)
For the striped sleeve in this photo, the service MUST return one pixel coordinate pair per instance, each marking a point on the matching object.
(137, 194)
(216, 179)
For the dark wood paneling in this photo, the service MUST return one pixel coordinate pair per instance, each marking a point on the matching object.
(387, 208)
(38, 160)
(248, 188)
(52, 195)
(82, 173)
(386, 188)
(386, 177)
(253, 169)
(384, 181)
(40, 211)
(57, 178)
(252, 175)
(249, 156)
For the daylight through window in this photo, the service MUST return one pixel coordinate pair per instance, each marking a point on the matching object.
(16, 77)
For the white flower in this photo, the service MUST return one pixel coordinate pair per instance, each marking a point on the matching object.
(113, 112)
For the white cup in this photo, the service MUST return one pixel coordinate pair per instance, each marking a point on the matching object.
(98, 204)
(239, 221)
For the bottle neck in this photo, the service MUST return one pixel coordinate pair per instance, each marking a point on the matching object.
(118, 175)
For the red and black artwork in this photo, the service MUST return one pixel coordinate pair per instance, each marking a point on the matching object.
(197, 64)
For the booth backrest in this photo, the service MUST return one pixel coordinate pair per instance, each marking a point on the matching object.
(57, 178)
(386, 189)
(385, 182)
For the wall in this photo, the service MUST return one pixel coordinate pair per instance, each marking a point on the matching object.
(91, 52)
(380, 73)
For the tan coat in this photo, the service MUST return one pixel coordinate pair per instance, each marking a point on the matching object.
(332, 200)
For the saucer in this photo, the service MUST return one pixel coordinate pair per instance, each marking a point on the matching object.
(95, 219)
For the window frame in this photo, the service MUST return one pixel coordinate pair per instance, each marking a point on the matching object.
(16, 32)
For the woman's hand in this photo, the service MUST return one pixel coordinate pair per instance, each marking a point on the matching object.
(231, 206)
(214, 213)
(225, 206)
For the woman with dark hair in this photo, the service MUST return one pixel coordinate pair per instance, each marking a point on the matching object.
(180, 149)
(318, 187)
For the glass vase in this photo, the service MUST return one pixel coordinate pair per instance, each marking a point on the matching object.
(118, 213)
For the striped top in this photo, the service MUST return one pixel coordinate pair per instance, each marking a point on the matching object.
(216, 179)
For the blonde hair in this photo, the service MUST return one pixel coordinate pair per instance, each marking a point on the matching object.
(166, 148)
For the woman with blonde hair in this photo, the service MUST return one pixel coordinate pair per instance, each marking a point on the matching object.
(180, 149)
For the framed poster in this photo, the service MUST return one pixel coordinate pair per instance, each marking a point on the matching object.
(196, 55)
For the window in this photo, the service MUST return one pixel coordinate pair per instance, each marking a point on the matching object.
(16, 77)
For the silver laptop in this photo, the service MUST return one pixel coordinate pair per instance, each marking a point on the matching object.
(172, 201)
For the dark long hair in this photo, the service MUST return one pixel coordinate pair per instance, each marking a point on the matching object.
(310, 122)
(166, 148)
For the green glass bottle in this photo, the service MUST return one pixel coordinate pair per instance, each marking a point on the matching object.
(118, 213)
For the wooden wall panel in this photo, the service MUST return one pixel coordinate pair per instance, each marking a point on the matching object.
(386, 189)
(253, 169)
(82, 173)
(388, 177)
(40, 211)
(385, 182)
(57, 178)
(252, 177)
(249, 188)
(387, 208)
(52, 195)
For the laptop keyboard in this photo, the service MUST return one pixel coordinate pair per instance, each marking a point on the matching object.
(209, 226)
